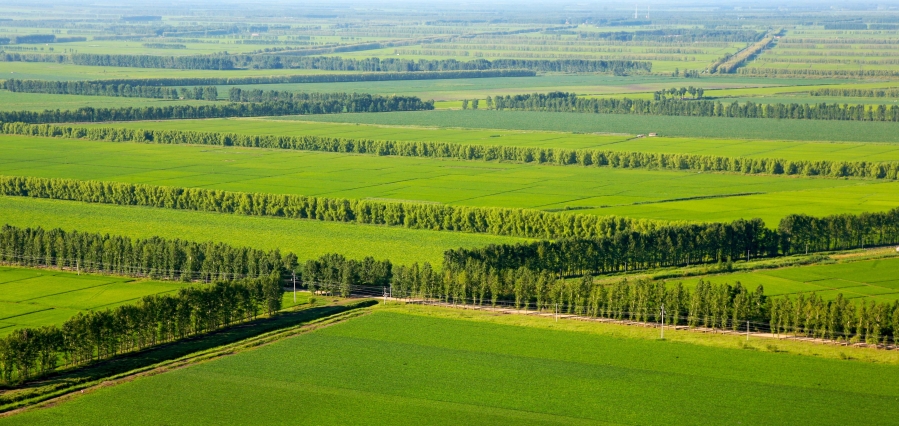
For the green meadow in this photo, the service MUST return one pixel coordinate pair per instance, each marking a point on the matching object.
(39, 297)
(864, 281)
(426, 365)
(308, 239)
(596, 190)
(728, 147)
(694, 127)
(18, 101)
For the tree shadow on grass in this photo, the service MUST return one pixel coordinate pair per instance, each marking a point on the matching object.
(70, 380)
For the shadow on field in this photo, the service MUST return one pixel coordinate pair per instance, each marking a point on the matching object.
(71, 380)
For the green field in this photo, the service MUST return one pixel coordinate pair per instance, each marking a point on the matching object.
(637, 192)
(39, 297)
(17, 101)
(65, 72)
(791, 150)
(871, 280)
(424, 365)
(306, 238)
(693, 127)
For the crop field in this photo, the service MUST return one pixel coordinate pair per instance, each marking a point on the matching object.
(832, 50)
(351, 361)
(864, 281)
(39, 297)
(540, 373)
(694, 127)
(791, 150)
(17, 101)
(66, 72)
(602, 191)
(308, 239)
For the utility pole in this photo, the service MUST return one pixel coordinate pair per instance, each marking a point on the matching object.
(294, 274)
(747, 329)
(663, 322)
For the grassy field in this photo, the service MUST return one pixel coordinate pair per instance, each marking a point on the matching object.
(636, 192)
(871, 280)
(65, 72)
(426, 365)
(17, 101)
(694, 127)
(39, 297)
(792, 150)
(306, 238)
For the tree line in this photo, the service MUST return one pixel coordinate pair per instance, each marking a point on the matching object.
(330, 63)
(27, 353)
(582, 157)
(675, 93)
(814, 73)
(569, 102)
(88, 88)
(115, 86)
(684, 244)
(584, 244)
(718, 306)
(497, 221)
(157, 258)
(891, 92)
(351, 103)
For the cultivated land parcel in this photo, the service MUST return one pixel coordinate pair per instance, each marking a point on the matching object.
(512, 370)
(171, 302)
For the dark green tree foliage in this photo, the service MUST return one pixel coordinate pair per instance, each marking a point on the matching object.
(684, 244)
(707, 306)
(342, 102)
(157, 258)
(350, 103)
(891, 92)
(194, 62)
(96, 335)
(103, 89)
(569, 102)
(331, 63)
(675, 93)
(498, 221)
(114, 86)
(582, 157)
(335, 274)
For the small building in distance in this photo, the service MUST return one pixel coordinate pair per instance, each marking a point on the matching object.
(653, 134)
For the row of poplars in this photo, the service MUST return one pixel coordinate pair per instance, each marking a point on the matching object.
(539, 155)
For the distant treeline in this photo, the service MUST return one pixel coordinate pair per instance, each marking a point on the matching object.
(44, 38)
(154, 86)
(554, 156)
(569, 102)
(497, 221)
(731, 63)
(164, 46)
(333, 63)
(679, 244)
(892, 92)
(676, 35)
(209, 93)
(815, 73)
(339, 103)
